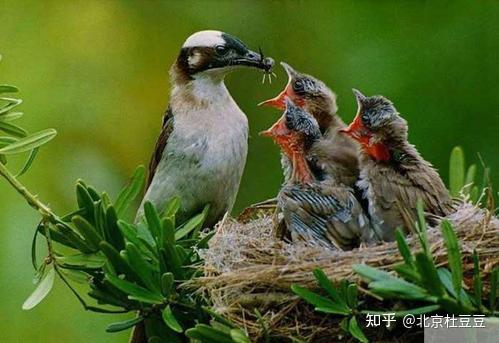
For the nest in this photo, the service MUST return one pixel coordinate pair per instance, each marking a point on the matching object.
(247, 268)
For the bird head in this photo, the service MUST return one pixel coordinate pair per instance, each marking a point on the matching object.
(376, 126)
(215, 53)
(307, 92)
(295, 131)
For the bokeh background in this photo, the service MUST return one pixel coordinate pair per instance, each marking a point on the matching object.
(97, 72)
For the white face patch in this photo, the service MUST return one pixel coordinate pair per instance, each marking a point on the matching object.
(204, 38)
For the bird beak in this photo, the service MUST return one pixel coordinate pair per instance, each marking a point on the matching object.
(278, 129)
(355, 129)
(279, 101)
(254, 59)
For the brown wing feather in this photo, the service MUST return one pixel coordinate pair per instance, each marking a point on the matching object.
(166, 130)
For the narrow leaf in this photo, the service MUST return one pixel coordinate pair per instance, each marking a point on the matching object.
(30, 142)
(239, 336)
(321, 303)
(8, 89)
(429, 275)
(371, 273)
(13, 130)
(453, 255)
(194, 223)
(141, 267)
(130, 192)
(127, 324)
(29, 162)
(41, 291)
(356, 331)
(456, 171)
(404, 249)
(170, 320)
(88, 231)
(134, 291)
(328, 286)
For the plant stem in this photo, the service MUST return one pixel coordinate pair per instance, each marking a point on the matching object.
(31, 199)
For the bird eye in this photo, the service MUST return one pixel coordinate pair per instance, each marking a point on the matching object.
(221, 49)
(298, 85)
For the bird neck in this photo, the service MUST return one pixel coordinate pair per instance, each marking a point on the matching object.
(200, 91)
(301, 170)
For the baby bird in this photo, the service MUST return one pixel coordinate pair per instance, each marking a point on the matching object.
(319, 210)
(393, 175)
(336, 154)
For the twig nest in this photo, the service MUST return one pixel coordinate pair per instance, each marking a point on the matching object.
(246, 267)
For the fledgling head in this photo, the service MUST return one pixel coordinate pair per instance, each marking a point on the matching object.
(377, 126)
(309, 93)
(295, 131)
(215, 53)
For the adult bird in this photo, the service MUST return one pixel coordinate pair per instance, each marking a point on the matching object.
(316, 207)
(201, 151)
(393, 175)
(336, 154)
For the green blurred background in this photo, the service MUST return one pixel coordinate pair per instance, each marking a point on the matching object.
(97, 72)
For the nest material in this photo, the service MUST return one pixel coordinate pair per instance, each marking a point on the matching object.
(247, 268)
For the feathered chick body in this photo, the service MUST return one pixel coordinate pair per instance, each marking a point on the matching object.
(323, 212)
(335, 154)
(393, 175)
(201, 151)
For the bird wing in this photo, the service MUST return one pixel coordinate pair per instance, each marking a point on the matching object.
(161, 143)
(324, 216)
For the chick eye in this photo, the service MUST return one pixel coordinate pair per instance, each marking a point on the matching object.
(298, 85)
(221, 49)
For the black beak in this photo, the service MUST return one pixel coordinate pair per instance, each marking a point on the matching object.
(253, 59)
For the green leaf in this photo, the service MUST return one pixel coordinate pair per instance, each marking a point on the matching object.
(470, 177)
(429, 275)
(445, 277)
(41, 291)
(456, 171)
(119, 264)
(422, 229)
(321, 303)
(29, 162)
(453, 255)
(130, 192)
(356, 331)
(112, 232)
(167, 282)
(213, 334)
(371, 273)
(404, 249)
(84, 200)
(477, 279)
(194, 223)
(394, 288)
(90, 261)
(127, 324)
(30, 142)
(406, 272)
(328, 286)
(494, 280)
(11, 104)
(141, 267)
(152, 218)
(13, 130)
(352, 295)
(88, 231)
(11, 116)
(8, 89)
(170, 320)
(171, 207)
(239, 336)
(218, 317)
(134, 291)
(168, 231)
